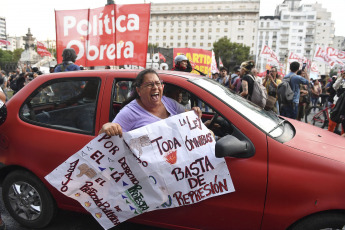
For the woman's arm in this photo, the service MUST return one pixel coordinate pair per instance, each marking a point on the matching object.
(244, 88)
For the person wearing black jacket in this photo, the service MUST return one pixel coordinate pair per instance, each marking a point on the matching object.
(182, 64)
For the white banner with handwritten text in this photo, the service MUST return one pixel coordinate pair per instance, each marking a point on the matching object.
(167, 164)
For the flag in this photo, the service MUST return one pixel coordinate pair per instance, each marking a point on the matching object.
(220, 62)
(4, 42)
(269, 53)
(322, 56)
(42, 50)
(214, 68)
(161, 57)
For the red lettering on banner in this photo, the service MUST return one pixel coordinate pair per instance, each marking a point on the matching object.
(167, 145)
(200, 165)
(197, 195)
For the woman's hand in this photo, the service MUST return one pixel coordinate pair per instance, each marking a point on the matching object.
(111, 129)
(197, 111)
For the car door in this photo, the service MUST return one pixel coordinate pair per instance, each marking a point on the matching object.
(242, 209)
(55, 119)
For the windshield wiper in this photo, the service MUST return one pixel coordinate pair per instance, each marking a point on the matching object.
(279, 124)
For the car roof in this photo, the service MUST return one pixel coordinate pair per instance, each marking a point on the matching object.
(185, 75)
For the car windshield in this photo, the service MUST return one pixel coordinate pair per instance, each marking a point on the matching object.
(267, 121)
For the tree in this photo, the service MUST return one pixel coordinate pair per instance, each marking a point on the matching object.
(152, 46)
(231, 53)
(17, 54)
(6, 56)
(52, 51)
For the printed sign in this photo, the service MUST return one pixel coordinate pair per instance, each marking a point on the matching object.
(157, 58)
(301, 59)
(200, 59)
(167, 164)
(322, 56)
(109, 35)
(269, 53)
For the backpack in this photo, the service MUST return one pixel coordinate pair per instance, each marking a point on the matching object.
(337, 113)
(284, 91)
(13, 84)
(259, 94)
(63, 68)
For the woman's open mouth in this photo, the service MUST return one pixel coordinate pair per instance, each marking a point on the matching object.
(155, 96)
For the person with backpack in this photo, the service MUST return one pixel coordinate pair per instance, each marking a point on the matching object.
(337, 114)
(291, 82)
(68, 59)
(251, 89)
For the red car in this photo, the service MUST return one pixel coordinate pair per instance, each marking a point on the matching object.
(287, 174)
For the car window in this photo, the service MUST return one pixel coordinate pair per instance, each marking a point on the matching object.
(69, 105)
(122, 90)
(268, 122)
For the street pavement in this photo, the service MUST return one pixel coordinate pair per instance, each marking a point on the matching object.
(67, 220)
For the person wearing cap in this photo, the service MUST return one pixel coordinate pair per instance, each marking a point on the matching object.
(223, 77)
(68, 58)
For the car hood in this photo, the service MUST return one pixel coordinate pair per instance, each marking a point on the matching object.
(317, 141)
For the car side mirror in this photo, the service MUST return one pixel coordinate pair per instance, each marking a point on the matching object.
(230, 146)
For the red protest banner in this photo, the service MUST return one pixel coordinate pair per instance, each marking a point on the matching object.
(199, 58)
(42, 50)
(110, 35)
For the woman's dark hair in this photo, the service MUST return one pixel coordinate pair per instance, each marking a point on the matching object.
(137, 83)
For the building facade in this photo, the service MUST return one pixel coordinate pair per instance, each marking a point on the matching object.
(198, 25)
(295, 28)
(16, 43)
(339, 43)
(3, 31)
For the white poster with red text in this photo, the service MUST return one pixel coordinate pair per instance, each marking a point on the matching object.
(322, 55)
(301, 59)
(110, 35)
(268, 53)
(42, 50)
(167, 164)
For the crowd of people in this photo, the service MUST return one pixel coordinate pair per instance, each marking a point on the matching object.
(306, 92)
(241, 81)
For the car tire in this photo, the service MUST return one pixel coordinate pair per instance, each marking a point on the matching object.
(333, 220)
(28, 200)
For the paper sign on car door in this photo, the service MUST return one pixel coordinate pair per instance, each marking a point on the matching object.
(167, 164)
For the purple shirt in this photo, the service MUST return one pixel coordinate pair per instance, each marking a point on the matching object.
(133, 116)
